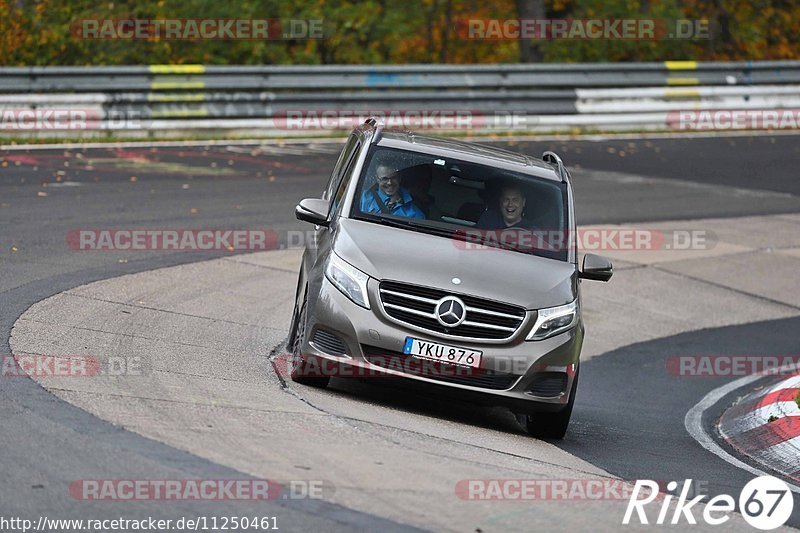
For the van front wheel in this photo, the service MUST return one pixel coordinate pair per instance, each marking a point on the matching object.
(551, 425)
(300, 369)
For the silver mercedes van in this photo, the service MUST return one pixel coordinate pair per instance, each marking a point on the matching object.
(447, 263)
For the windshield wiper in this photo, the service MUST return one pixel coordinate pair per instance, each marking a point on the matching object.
(410, 222)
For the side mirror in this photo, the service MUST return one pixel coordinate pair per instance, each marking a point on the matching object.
(596, 267)
(314, 210)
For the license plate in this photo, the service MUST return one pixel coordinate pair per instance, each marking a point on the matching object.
(442, 352)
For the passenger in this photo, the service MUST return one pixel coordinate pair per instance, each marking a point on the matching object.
(510, 213)
(389, 197)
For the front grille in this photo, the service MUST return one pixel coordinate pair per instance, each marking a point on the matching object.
(473, 377)
(548, 384)
(329, 343)
(415, 305)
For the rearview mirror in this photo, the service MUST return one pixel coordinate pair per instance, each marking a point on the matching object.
(314, 210)
(596, 267)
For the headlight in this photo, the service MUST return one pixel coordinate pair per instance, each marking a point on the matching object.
(348, 279)
(554, 320)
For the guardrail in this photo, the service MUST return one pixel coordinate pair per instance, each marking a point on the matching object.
(137, 100)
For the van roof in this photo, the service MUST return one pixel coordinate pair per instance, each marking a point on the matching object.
(474, 152)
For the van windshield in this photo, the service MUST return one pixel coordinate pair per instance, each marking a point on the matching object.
(473, 203)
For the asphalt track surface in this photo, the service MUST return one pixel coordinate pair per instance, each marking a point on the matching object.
(44, 193)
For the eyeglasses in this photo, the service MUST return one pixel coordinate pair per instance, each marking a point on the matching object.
(384, 179)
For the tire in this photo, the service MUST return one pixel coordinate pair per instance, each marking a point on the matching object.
(293, 323)
(551, 425)
(299, 365)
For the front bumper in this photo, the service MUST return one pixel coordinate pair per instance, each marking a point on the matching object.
(526, 376)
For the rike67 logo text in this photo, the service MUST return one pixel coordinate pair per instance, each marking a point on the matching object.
(765, 503)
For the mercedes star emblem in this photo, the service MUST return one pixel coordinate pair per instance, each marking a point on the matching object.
(450, 311)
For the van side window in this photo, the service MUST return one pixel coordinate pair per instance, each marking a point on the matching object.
(338, 168)
(345, 178)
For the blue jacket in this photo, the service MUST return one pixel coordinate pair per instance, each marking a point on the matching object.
(406, 208)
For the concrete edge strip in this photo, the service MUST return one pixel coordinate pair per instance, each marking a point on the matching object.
(693, 422)
(603, 137)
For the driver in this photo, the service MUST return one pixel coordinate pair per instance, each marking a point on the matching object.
(510, 211)
(389, 197)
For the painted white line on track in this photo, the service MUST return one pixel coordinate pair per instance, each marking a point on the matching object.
(694, 424)
(790, 383)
